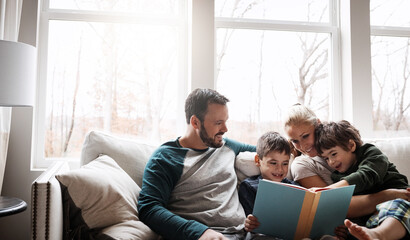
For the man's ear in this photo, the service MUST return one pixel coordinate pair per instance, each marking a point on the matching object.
(352, 145)
(195, 122)
(257, 160)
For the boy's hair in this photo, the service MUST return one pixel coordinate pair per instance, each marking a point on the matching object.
(299, 114)
(198, 100)
(272, 141)
(332, 134)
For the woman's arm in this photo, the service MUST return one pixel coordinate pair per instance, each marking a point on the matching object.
(341, 183)
(362, 205)
(313, 181)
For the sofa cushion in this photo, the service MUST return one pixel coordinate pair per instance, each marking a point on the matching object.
(397, 150)
(131, 155)
(127, 230)
(98, 195)
(245, 165)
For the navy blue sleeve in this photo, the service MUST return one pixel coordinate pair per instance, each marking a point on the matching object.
(238, 147)
(161, 173)
(247, 195)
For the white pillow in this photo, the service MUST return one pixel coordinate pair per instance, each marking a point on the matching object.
(128, 230)
(98, 195)
(131, 155)
(245, 165)
(397, 150)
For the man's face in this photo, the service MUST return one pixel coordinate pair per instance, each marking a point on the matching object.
(214, 125)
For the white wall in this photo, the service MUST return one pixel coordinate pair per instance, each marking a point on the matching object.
(18, 177)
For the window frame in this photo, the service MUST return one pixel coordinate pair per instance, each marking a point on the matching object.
(39, 161)
(332, 28)
(350, 45)
(388, 31)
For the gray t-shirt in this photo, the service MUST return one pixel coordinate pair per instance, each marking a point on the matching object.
(304, 166)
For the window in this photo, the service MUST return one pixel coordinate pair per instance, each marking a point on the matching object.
(390, 43)
(275, 54)
(124, 66)
(109, 65)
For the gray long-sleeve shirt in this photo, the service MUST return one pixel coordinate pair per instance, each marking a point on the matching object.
(186, 191)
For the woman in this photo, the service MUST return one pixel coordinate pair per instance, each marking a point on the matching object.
(310, 170)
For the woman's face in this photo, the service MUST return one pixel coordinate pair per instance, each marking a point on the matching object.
(302, 137)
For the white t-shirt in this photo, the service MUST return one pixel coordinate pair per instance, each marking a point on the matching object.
(304, 166)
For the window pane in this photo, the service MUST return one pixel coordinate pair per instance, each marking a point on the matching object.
(289, 10)
(391, 85)
(274, 71)
(116, 77)
(390, 13)
(128, 6)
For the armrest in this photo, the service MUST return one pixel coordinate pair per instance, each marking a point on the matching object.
(46, 204)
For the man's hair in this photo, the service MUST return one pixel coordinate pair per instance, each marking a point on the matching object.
(300, 114)
(272, 141)
(198, 100)
(332, 134)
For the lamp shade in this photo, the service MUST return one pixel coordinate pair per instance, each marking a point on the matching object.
(17, 74)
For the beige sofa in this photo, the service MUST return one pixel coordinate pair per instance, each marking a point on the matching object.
(106, 187)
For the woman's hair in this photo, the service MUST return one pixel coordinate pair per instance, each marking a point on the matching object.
(299, 114)
(272, 141)
(332, 134)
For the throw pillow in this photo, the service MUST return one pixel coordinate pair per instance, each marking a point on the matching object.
(131, 155)
(97, 195)
(128, 230)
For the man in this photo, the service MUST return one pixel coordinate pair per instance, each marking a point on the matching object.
(189, 184)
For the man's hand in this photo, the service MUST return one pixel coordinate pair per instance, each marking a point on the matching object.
(251, 223)
(210, 234)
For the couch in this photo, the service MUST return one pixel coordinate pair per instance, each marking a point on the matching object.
(99, 198)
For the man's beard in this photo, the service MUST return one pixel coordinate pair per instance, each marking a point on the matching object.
(210, 142)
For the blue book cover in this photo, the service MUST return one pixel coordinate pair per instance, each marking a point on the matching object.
(293, 212)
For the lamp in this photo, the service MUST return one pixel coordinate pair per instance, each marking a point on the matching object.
(17, 88)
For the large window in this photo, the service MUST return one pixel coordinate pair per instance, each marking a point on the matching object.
(123, 66)
(115, 66)
(390, 66)
(270, 55)
(120, 66)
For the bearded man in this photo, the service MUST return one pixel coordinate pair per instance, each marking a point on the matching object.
(189, 188)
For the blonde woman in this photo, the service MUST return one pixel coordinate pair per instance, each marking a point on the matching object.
(310, 170)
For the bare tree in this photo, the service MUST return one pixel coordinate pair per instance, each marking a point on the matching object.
(313, 65)
(227, 34)
(50, 135)
(380, 84)
(402, 105)
(393, 113)
(74, 100)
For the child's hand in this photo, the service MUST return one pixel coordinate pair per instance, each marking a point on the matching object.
(251, 223)
(401, 193)
(318, 189)
(341, 232)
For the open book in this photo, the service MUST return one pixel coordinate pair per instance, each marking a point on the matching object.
(293, 212)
